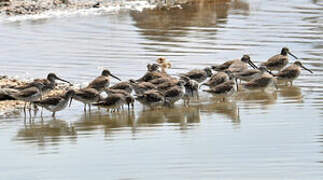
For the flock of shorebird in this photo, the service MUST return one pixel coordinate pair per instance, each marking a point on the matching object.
(157, 88)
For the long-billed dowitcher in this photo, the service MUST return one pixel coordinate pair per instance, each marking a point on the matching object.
(225, 89)
(87, 96)
(122, 86)
(236, 65)
(151, 98)
(290, 73)
(114, 102)
(199, 75)
(103, 81)
(260, 83)
(33, 93)
(250, 74)
(175, 93)
(279, 61)
(218, 78)
(141, 87)
(49, 83)
(151, 74)
(56, 103)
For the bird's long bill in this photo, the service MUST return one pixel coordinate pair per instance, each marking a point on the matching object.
(115, 77)
(292, 55)
(307, 69)
(63, 80)
(252, 65)
(70, 102)
(270, 72)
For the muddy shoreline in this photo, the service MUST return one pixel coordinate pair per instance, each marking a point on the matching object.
(33, 7)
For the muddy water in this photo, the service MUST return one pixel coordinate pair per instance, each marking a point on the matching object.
(260, 135)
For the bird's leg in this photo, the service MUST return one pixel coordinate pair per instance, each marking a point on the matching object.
(84, 107)
(53, 115)
(25, 107)
(89, 107)
(291, 83)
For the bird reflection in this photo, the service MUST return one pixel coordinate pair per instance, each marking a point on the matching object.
(178, 114)
(292, 93)
(252, 98)
(227, 108)
(46, 133)
(97, 120)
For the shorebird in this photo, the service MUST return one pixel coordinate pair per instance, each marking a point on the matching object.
(279, 61)
(191, 86)
(151, 98)
(122, 86)
(290, 73)
(260, 83)
(56, 103)
(217, 79)
(199, 75)
(162, 80)
(166, 85)
(103, 81)
(31, 94)
(225, 89)
(114, 101)
(175, 93)
(141, 87)
(87, 96)
(250, 74)
(49, 83)
(237, 65)
(153, 67)
(164, 64)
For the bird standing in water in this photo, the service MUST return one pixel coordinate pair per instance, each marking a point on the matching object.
(103, 81)
(290, 73)
(237, 65)
(87, 96)
(31, 94)
(56, 103)
(279, 61)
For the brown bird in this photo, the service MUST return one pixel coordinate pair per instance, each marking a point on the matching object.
(261, 83)
(56, 103)
(250, 74)
(141, 87)
(87, 96)
(175, 93)
(166, 85)
(218, 78)
(103, 81)
(199, 75)
(279, 61)
(113, 102)
(122, 86)
(225, 89)
(237, 65)
(151, 98)
(49, 83)
(31, 94)
(290, 73)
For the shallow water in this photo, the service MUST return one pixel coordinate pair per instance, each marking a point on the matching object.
(267, 135)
